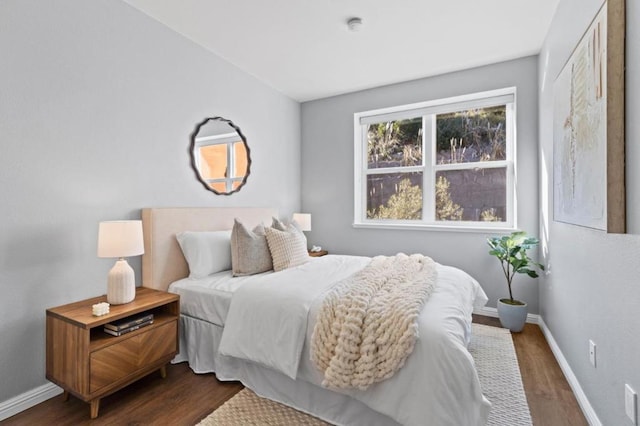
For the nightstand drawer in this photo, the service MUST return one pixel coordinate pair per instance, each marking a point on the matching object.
(114, 362)
(158, 343)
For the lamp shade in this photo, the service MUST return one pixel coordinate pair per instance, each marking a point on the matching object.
(303, 220)
(120, 238)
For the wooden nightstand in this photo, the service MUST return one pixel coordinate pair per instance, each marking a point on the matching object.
(318, 253)
(90, 364)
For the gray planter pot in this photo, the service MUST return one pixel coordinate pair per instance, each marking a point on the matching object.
(512, 317)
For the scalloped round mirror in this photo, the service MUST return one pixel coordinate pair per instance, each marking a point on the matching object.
(220, 155)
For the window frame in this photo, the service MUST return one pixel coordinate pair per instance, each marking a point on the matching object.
(428, 111)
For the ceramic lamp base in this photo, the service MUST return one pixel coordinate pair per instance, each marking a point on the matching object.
(121, 286)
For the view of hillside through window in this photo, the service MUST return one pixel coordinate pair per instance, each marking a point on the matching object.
(466, 182)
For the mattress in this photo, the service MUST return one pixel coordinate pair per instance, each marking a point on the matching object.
(208, 298)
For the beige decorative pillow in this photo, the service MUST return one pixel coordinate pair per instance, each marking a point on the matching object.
(288, 248)
(249, 250)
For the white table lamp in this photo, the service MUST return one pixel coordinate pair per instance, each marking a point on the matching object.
(120, 239)
(303, 220)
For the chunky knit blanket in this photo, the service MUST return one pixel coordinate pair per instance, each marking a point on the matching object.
(367, 325)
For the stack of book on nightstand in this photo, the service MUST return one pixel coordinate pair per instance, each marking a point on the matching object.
(129, 324)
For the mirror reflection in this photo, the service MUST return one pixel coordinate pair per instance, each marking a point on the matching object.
(220, 155)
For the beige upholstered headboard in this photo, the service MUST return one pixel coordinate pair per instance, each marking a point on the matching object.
(162, 261)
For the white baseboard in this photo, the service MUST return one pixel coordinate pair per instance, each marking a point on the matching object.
(28, 399)
(584, 403)
(493, 312)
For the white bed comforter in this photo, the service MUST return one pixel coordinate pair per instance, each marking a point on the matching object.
(271, 320)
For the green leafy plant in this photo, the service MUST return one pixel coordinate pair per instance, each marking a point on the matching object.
(511, 251)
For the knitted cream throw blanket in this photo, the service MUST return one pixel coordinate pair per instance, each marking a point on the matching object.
(367, 325)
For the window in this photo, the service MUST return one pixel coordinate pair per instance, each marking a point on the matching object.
(445, 163)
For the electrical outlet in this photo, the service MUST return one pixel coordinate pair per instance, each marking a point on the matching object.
(592, 352)
(630, 403)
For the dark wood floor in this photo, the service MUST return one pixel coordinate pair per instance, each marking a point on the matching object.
(184, 398)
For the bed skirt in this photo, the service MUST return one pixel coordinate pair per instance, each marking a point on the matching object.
(199, 342)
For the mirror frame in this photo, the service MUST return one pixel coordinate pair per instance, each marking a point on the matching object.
(193, 157)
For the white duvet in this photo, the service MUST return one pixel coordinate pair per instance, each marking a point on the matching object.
(271, 319)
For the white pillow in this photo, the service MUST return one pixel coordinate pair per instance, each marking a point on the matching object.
(288, 248)
(206, 252)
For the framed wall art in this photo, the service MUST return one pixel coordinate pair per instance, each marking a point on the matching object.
(588, 127)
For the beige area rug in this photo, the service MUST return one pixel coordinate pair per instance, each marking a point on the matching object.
(497, 364)
(498, 370)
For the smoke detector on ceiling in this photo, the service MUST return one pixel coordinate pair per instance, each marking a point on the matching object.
(354, 24)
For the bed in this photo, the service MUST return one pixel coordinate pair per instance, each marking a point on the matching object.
(438, 385)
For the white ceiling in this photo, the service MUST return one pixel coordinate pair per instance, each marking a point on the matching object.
(304, 49)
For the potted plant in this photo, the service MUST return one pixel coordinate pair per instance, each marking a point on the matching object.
(511, 251)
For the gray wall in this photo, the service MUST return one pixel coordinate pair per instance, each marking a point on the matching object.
(592, 290)
(97, 102)
(327, 174)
